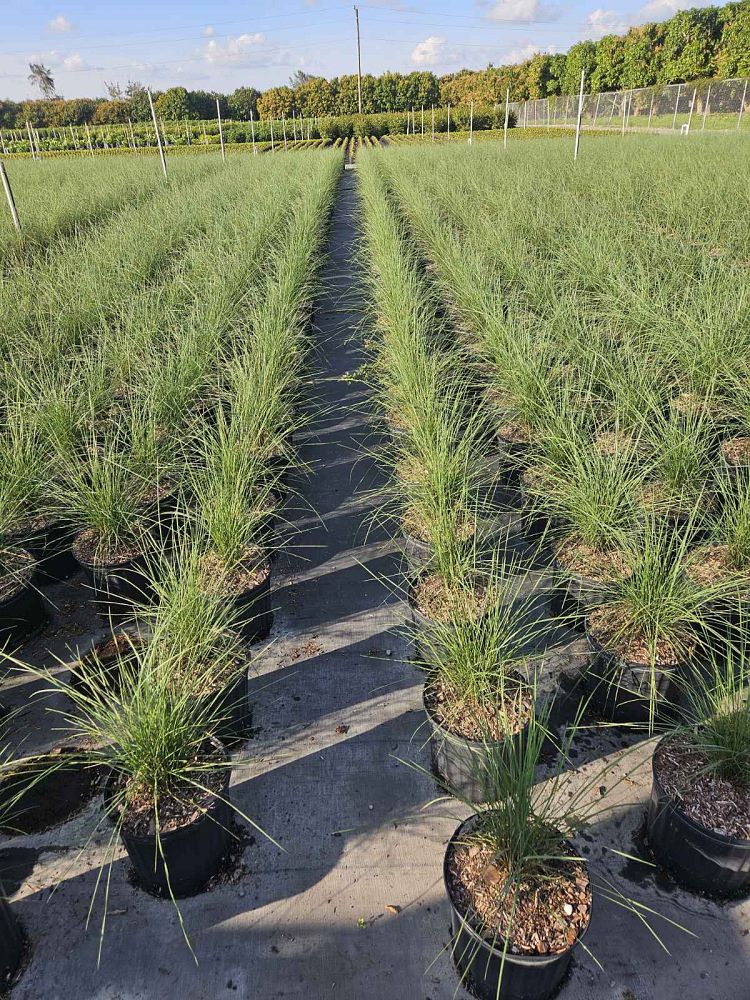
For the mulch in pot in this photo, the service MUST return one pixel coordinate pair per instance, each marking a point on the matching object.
(550, 913)
(437, 600)
(20, 566)
(476, 721)
(703, 796)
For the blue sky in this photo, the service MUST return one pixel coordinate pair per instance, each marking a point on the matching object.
(227, 43)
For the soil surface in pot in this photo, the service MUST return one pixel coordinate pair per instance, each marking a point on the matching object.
(88, 549)
(579, 557)
(550, 912)
(180, 809)
(17, 573)
(707, 799)
(253, 570)
(435, 599)
(475, 721)
(713, 564)
(610, 627)
(736, 451)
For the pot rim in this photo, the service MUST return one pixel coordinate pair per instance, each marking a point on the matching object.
(497, 952)
(450, 736)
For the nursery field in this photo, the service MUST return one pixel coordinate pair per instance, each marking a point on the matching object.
(374, 573)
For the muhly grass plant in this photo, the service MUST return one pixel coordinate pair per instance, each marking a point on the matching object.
(151, 734)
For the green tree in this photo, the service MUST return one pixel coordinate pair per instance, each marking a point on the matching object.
(642, 56)
(137, 98)
(173, 104)
(581, 56)
(733, 55)
(111, 113)
(276, 103)
(242, 103)
(610, 64)
(690, 43)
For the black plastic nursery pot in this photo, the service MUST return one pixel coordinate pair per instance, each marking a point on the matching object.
(102, 666)
(254, 611)
(51, 544)
(700, 859)
(460, 763)
(12, 941)
(575, 594)
(118, 587)
(480, 962)
(190, 855)
(512, 454)
(621, 691)
(22, 613)
(417, 553)
(43, 791)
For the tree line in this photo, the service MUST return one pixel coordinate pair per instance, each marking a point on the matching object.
(694, 44)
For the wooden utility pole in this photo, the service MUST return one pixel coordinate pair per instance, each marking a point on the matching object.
(359, 63)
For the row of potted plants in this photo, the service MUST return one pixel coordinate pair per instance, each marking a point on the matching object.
(152, 451)
(522, 425)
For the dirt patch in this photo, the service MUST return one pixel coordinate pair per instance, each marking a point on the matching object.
(610, 627)
(254, 568)
(736, 451)
(439, 601)
(709, 800)
(89, 550)
(586, 560)
(550, 912)
(476, 721)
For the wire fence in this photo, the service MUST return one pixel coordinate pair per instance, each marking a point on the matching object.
(718, 105)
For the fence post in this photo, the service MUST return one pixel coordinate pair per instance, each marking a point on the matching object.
(471, 123)
(742, 104)
(705, 108)
(423, 120)
(158, 136)
(283, 127)
(88, 138)
(9, 196)
(578, 118)
(596, 109)
(624, 112)
(433, 122)
(676, 103)
(273, 148)
(31, 141)
(449, 121)
(507, 109)
(651, 110)
(692, 105)
(221, 131)
(252, 131)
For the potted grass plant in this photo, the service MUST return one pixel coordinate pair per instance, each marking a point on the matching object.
(477, 685)
(108, 500)
(520, 894)
(39, 526)
(21, 610)
(232, 510)
(699, 813)
(194, 630)
(648, 631)
(167, 773)
(721, 564)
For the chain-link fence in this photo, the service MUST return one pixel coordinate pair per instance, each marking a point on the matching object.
(719, 105)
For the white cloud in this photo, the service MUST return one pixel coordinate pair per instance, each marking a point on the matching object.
(208, 31)
(235, 50)
(74, 63)
(659, 10)
(429, 52)
(60, 25)
(522, 10)
(605, 22)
